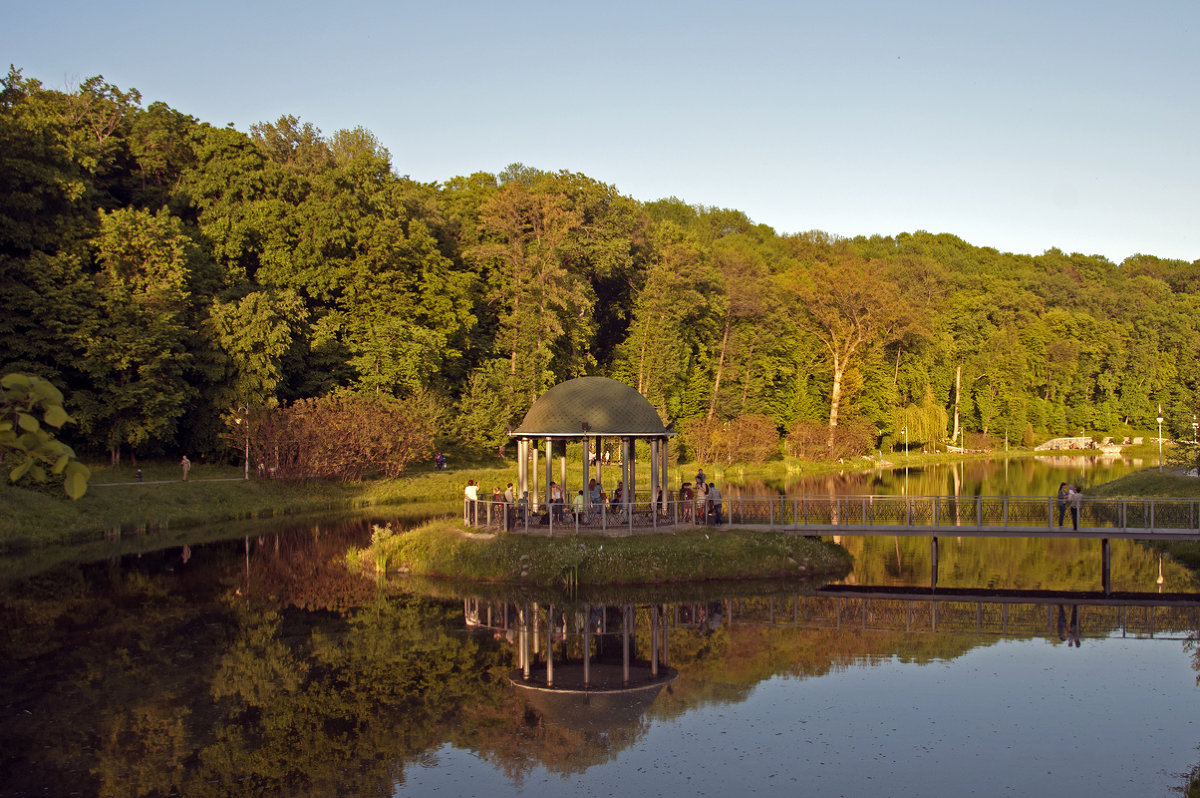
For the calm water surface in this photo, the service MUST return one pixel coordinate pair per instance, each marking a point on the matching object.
(261, 667)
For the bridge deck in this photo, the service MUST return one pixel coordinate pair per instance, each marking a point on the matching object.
(921, 516)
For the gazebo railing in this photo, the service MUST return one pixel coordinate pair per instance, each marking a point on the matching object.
(976, 512)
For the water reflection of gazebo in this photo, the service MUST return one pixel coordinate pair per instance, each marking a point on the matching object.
(589, 410)
(580, 667)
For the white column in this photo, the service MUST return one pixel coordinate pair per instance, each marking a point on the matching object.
(549, 467)
(666, 483)
(533, 484)
(654, 486)
(625, 472)
(522, 468)
(587, 469)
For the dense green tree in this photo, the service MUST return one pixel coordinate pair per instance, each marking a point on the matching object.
(134, 350)
(151, 262)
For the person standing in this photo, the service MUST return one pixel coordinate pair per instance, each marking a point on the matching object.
(714, 498)
(1076, 505)
(187, 466)
(557, 500)
(701, 503)
(577, 506)
(1063, 495)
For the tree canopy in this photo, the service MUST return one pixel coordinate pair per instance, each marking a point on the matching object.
(165, 272)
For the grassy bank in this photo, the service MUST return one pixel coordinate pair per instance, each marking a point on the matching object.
(1152, 482)
(116, 502)
(444, 549)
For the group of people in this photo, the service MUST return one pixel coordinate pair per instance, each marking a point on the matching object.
(506, 499)
(1069, 496)
(700, 503)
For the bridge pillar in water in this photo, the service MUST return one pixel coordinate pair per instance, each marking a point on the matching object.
(1105, 566)
(933, 557)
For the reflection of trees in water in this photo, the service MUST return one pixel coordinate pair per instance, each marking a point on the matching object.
(155, 692)
(305, 568)
(1010, 563)
(154, 676)
(1025, 476)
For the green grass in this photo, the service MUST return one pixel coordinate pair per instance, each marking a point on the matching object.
(1150, 482)
(1166, 483)
(116, 503)
(444, 549)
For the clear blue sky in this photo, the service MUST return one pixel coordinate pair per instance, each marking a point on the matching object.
(1015, 125)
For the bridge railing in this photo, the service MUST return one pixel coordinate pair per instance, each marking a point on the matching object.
(1000, 512)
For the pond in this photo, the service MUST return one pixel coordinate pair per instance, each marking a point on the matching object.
(260, 666)
(1024, 476)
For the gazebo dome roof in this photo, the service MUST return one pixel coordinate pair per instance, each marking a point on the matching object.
(608, 407)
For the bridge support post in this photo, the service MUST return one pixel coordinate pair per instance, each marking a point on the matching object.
(1105, 566)
(933, 556)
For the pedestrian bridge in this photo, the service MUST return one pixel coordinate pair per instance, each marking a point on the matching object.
(846, 516)
(922, 516)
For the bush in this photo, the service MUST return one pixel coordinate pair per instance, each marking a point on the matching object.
(809, 439)
(751, 438)
(342, 436)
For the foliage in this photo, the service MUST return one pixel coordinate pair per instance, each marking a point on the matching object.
(26, 446)
(751, 438)
(343, 436)
(809, 440)
(162, 271)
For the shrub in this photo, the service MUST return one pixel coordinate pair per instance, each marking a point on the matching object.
(751, 438)
(343, 436)
(809, 439)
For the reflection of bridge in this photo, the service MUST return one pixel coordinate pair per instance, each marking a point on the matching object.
(852, 608)
(999, 612)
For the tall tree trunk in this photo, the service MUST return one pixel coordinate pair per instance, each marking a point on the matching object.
(642, 355)
(712, 405)
(835, 399)
(957, 396)
(746, 379)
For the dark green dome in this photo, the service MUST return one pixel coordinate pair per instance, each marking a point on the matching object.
(607, 406)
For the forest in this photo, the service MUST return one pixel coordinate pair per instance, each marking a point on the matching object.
(175, 278)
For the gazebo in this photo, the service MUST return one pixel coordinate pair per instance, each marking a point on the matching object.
(590, 409)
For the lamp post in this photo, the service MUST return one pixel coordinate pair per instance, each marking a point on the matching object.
(1160, 421)
(243, 418)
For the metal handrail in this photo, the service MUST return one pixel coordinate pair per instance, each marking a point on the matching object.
(1023, 513)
